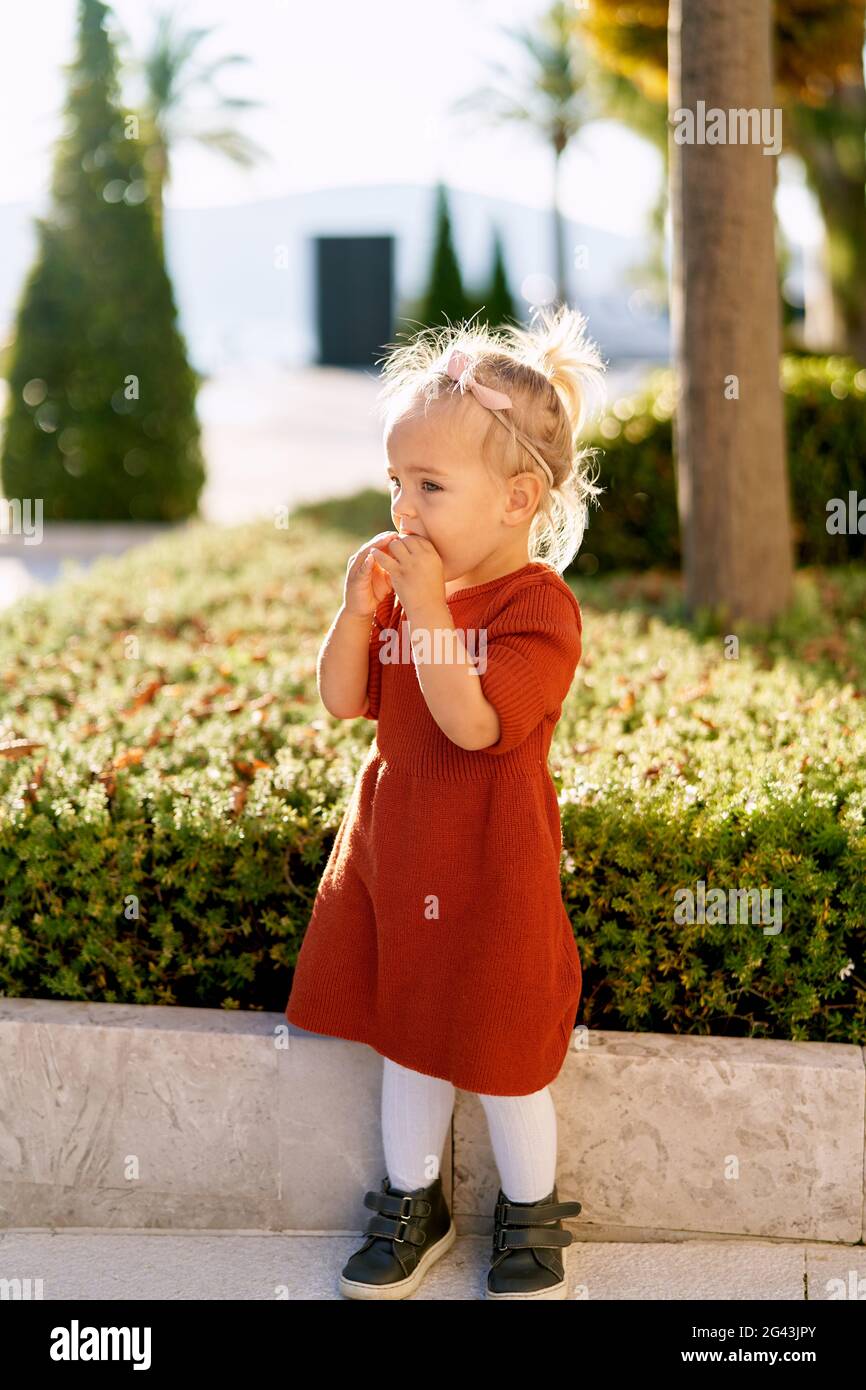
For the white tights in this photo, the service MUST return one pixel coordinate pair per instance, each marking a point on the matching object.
(416, 1113)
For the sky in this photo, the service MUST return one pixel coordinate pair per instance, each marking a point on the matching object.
(354, 91)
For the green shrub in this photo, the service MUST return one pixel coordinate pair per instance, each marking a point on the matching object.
(636, 524)
(677, 765)
(167, 807)
(100, 423)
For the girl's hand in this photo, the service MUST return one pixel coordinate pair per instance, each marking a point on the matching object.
(415, 570)
(367, 583)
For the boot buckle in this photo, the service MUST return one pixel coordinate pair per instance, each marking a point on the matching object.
(404, 1218)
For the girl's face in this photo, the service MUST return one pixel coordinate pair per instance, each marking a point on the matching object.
(441, 490)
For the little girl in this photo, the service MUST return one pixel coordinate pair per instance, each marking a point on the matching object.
(438, 935)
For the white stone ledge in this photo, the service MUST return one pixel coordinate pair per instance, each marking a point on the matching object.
(152, 1117)
(84, 538)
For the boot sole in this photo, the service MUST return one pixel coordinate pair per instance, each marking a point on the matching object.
(355, 1288)
(556, 1291)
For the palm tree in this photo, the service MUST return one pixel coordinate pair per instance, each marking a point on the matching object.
(170, 75)
(725, 319)
(548, 98)
(818, 80)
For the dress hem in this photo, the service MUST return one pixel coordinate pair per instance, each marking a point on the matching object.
(419, 1065)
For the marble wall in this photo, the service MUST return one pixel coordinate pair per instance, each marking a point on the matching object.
(156, 1117)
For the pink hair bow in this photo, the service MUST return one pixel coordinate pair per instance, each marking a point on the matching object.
(459, 367)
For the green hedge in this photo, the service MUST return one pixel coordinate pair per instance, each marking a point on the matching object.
(679, 765)
(636, 524)
(196, 775)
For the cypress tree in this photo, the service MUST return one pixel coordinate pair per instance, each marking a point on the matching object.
(498, 306)
(101, 423)
(445, 298)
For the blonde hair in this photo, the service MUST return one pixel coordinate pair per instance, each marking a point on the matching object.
(554, 375)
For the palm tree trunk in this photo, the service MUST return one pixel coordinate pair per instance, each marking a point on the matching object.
(157, 164)
(725, 316)
(823, 324)
(158, 216)
(559, 231)
(835, 161)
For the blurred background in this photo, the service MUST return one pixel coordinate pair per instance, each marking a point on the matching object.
(321, 179)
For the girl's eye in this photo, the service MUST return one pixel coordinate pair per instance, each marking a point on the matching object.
(425, 483)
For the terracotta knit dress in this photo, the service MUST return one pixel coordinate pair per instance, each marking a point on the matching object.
(438, 935)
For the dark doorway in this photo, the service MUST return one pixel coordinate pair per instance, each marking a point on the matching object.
(354, 280)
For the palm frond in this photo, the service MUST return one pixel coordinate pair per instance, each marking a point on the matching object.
(188, 42)
(208, 71)
(240, 103)
(497, 105)
(240, 149)
(171, 74)
(548, 93)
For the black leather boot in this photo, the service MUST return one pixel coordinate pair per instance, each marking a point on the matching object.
(528, 1248)
(408, 1234)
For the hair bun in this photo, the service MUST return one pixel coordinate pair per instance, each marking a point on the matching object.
(557, 345)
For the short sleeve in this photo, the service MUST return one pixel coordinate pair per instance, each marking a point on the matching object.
(381, 620)
(533, 649)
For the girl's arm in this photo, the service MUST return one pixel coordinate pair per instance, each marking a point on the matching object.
(527, 656)
(451, 685)
(343, 664)
(342, 668)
